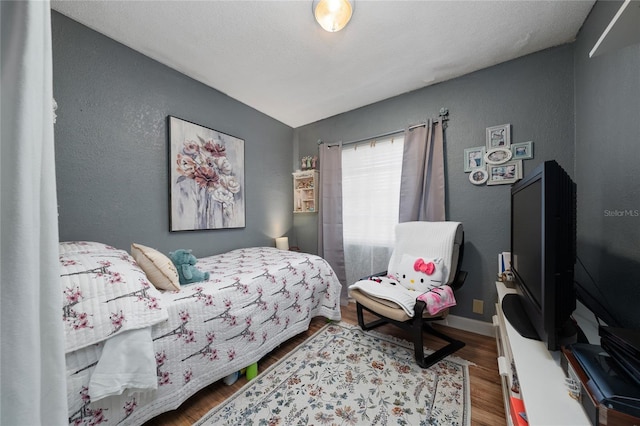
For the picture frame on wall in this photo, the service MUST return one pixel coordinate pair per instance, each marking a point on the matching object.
(497, 156)
(498, 136)
(206, 178)
(504, 174)
(522, 150)
(519, 167)
(478, 176)
(473, 158)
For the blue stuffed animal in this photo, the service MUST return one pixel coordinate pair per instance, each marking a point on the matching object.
(185, 264)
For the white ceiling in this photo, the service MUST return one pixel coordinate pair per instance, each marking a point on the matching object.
(272, 56)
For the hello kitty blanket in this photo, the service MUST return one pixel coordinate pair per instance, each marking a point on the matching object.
(437, 298)
(415, 278)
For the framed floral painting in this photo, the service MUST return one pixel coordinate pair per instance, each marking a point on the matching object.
(206, 178)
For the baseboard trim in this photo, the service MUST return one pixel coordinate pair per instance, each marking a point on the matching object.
(468, 324)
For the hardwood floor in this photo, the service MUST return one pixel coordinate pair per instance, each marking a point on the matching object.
(486, 394)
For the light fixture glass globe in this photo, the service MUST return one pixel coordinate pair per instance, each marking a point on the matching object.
(333, 15)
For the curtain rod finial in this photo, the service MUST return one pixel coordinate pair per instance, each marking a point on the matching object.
(444, 116)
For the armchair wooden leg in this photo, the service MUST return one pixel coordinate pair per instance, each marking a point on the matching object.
(426, 362)
(372, 324)
(416, 327)
(360, 315)
(418, 345)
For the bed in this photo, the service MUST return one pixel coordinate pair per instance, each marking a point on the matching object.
(134, 351)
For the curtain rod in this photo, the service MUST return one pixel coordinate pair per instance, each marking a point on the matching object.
(443, 117)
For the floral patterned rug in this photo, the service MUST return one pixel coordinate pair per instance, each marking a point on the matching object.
(342, 375)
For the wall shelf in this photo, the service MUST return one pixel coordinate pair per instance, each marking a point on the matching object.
(305, 191)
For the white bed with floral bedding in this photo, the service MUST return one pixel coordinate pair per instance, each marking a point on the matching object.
(134, 351)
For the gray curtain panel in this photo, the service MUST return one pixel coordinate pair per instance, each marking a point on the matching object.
(330, 240)
(422, 181)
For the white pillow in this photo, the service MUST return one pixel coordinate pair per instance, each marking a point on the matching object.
(159, 269)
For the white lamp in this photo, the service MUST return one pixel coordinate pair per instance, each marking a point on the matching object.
(282, 243)
(333, 15)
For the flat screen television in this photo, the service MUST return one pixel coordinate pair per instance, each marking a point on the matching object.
(543, 256)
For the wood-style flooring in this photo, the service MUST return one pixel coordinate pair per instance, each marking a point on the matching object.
(486, 393)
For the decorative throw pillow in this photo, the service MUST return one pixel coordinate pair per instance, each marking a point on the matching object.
(419, 274)
(159, 269)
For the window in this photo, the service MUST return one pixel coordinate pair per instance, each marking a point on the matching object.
(370, 202)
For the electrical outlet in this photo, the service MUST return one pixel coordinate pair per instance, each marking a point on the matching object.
(478, 306)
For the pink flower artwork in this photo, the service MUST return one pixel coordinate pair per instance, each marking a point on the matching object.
(207, 178)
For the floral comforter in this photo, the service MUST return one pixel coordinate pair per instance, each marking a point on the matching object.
(105, 293)
(255, 299)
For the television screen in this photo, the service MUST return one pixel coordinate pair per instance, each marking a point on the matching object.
(526, 249)
(543, 240)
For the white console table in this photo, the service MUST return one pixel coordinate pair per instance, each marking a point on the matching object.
(542, 381)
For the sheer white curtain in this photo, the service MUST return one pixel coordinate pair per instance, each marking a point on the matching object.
(371, 175)
(33, 387)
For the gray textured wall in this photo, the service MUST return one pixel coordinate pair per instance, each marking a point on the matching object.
(112, 148)
(533, 93)
(112, 171)
(607, 168)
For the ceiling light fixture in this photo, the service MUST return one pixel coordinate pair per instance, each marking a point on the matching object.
(333, 15)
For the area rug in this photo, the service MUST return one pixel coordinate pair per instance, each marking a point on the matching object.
(342, 375)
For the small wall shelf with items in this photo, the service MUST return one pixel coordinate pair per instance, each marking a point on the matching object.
(305, 191)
